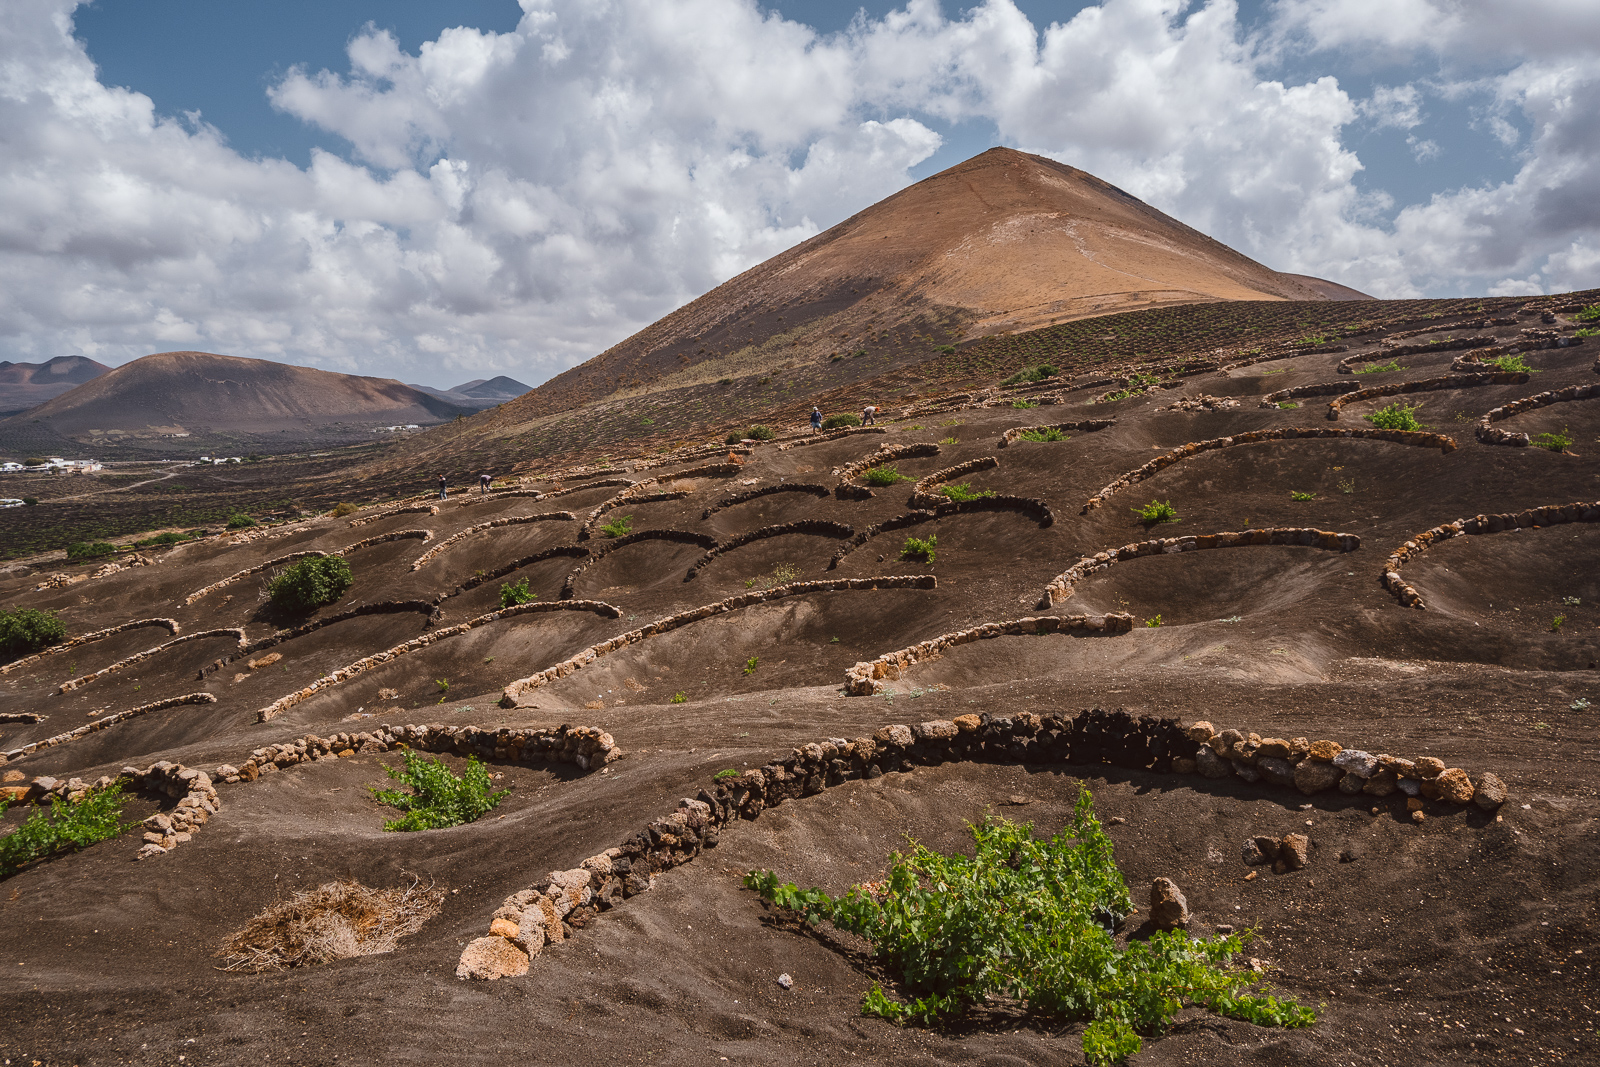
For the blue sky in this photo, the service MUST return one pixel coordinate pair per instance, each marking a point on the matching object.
(443, 191)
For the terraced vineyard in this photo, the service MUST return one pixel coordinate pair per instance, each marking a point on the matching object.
(685, 665)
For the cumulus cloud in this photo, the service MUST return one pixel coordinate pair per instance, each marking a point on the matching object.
(515, 202)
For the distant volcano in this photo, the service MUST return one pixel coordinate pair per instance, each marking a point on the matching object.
(200, 394)
(1004, 242)
(23, 385)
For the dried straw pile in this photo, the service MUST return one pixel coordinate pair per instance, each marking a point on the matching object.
(334, 921)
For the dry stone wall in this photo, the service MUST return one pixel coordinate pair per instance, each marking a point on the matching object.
(867, 678)
(816, 527)
(766, 490)
(1389, 350)
(899, 522)
(410, 509)
(547, 516)
(1014, 435)
(517, 692)
(170, 625)
(850, 471)
(1490, 434)
(559, 905)
(682, 537)
(1298, 392)
(1060, 587)
(108, 720)
(1532, 518)
(367, 663)
(138, 657)
(1426, 385)
(832, 435)
(571, 551)
(381, 607)
(1419, 438)
(398, 535)
(922, 495)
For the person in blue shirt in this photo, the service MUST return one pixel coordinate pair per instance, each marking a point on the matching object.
(816, 419)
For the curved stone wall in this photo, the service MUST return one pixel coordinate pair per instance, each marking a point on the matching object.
(1549, 515)
(850, 471)
(1490, 434)
(1014, 435)
(816, 527)
(514, 693)
(899, 522)
(1419, 438)
(398, 535)
(382, 607)
(200, 635)
(1060, 587)
(367, 663)
(766, 490)
(108, 720)
(1272, 400)
(416, 509)
(682, 537)
(171, 626)
(921, 497)
(867, 678)
(574, 551)
(626, 498)
(831, 435)
(1428, 385)
(547, 516)
(1393, 351)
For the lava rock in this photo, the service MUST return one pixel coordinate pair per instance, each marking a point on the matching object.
(1455, 786)
(1294, 850)
(1258, 850)
(1491, 792)
(1169, 909)
(1312, 776)
(491, 958)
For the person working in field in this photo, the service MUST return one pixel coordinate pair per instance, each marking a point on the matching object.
(483, 483)
(869, 415)
(443, 487)
(816, 419)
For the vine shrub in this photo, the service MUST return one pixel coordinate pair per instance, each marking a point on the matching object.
(310, 583)
(240, 521)
(1157, 511)
(1049, 433)
(921, 549)
(883, 475)
(835, 422)
(514, 593)
(83, 550)
(27, 630)
(1030, 923)
(618, 527)
(964, 492)
(64, 826)
(1031, 374)
(1396, 416)
(438, 798)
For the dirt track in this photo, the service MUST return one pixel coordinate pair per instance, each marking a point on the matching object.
(1429, 946)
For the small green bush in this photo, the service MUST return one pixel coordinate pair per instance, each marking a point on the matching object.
(1555, 623)
(1553, 442)
(945, 349)
(1288, 405)
(964, 492)
(882, 476)
(1138, 385)
(1587, 331)
(1049, 433)
(30, 501)
(1589, 314)
(678, 698)
(1396, 416)
(751, 664)
(618, 527)
(1154, 623)
(835, 422)
(341, 510)
(920, 549)
(83, 550)
(310, 583)
(1377, 368)
(438, 798)
(761, 433)
(725, 774)
(734, 437)
(63, 826)
(1024, 405)
(514, 593)
(1295, 494)
(1029, 922)
(24, 631)
(239, 521)
(1515, 364)
(1157, 511)
(1028, 374)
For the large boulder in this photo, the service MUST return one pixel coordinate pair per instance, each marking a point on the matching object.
(1211, 765)
(1454, 786)
(491, 958)
(1275, 770)
(1491, 792)
(1169, 909)
(1294, 851)
(1314, 776)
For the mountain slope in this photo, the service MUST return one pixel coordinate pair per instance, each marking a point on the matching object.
(201, 393)
(22, 385)
(1003, 242)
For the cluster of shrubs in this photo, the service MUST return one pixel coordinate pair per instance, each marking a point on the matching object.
(24, 631)
(310, 583)
(754, 433)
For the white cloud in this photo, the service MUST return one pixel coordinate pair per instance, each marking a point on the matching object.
(516, 202)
